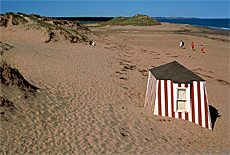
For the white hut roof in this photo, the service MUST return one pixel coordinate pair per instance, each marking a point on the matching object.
(175, 72)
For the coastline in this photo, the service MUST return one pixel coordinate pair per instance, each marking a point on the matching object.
(215, 23)
(90, 99)
(186, 29)
(183, 21)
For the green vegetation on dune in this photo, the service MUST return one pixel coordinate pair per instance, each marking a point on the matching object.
(57, 30)
(39, 24)
(137, 20)
(16, 18)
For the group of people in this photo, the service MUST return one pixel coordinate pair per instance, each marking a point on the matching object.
(192, 45)
(181, 45)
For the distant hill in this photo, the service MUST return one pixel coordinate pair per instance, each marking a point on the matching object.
(137, 20)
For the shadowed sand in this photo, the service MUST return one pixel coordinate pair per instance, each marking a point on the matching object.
(90, 99)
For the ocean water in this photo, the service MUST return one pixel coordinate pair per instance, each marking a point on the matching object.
(211, 23)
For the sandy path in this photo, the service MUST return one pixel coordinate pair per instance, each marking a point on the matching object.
(91, 98)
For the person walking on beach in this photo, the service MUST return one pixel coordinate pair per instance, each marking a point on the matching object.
(202, 49)
(181, 44)
(192, 46)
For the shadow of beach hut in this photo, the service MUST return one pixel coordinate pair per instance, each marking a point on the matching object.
(174, 91)
(214, 115)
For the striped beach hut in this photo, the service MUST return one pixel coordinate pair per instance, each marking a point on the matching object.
(175, 91)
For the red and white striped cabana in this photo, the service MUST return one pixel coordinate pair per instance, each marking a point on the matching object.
(175, 91)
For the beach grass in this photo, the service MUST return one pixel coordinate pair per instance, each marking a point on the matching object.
(16, 18)
(40, 24)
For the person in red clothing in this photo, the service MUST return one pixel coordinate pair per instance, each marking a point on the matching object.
(192, 46)
(202, 49)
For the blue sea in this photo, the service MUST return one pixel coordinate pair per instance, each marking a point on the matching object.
(211, 23)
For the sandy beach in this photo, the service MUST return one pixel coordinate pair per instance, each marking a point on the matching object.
(90, 99)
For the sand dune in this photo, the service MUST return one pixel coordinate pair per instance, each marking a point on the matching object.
(90, 99)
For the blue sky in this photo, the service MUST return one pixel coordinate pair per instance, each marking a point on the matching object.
(112, 8)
